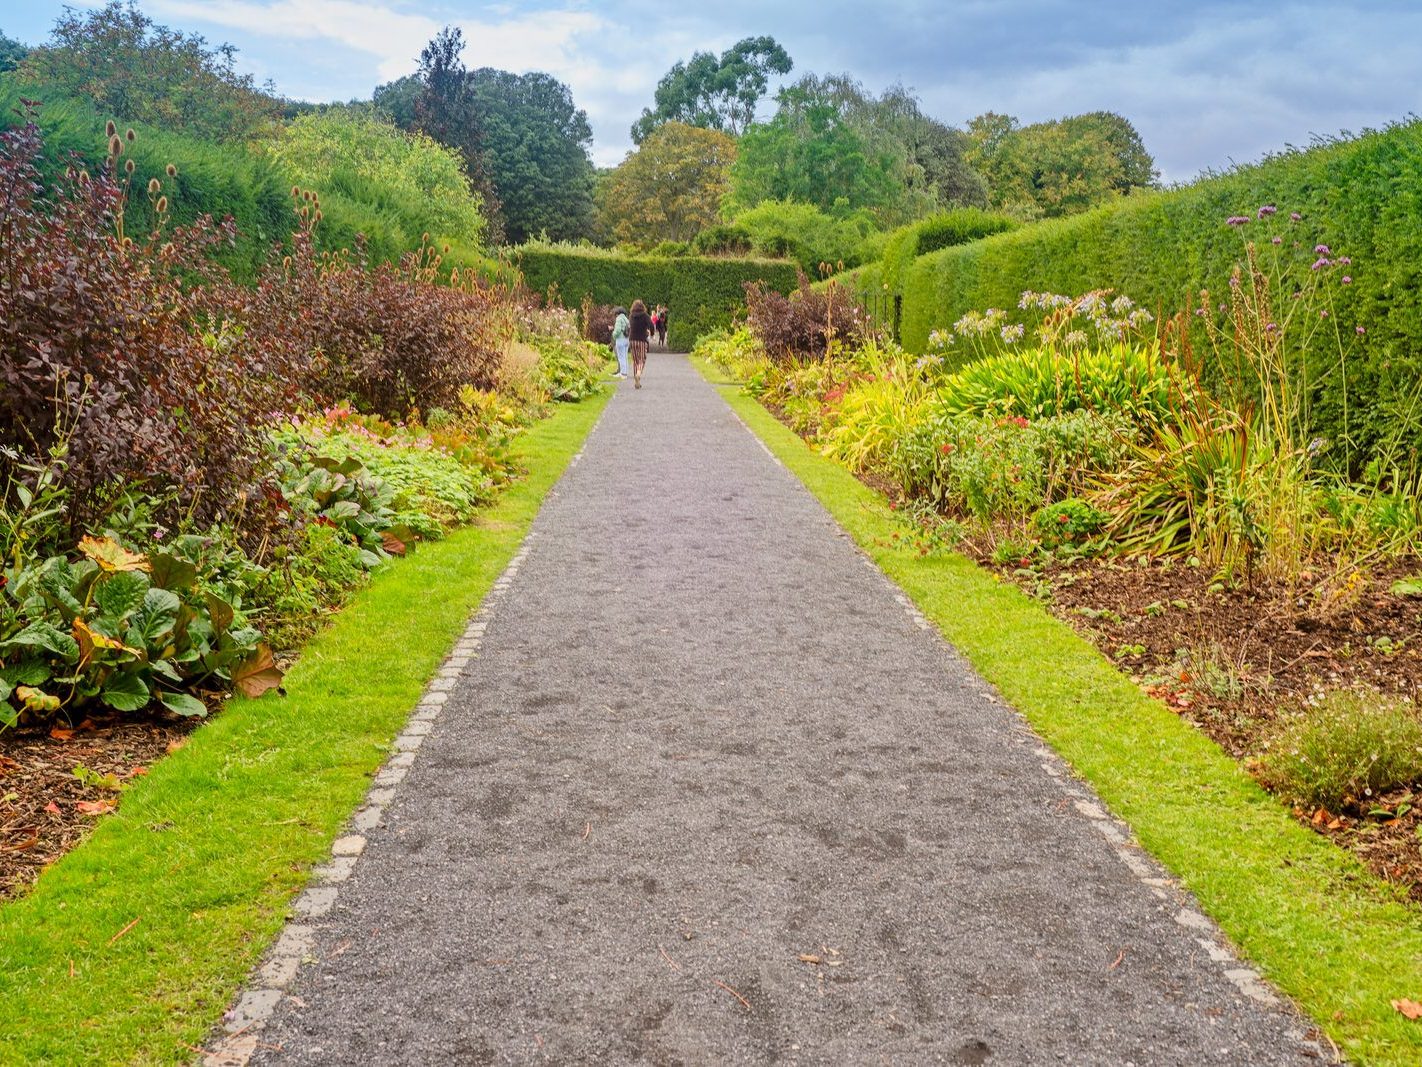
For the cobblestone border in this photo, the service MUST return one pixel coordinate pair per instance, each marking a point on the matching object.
(239, 1036)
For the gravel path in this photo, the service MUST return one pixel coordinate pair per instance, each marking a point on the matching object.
(709, 795)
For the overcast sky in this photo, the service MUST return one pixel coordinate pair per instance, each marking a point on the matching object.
(1205, 83)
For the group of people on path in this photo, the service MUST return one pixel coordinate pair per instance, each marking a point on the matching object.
(632, 334)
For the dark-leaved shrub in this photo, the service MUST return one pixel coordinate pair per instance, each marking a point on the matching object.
(99, 357)
(803, 324)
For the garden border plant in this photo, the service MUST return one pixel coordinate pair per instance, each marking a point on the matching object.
(159, 917)
(1339, 941)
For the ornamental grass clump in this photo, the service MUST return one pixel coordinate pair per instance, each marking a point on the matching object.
(1345, 750)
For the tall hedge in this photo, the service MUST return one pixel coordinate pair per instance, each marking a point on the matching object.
(701, 293)
(219, 180)
(1362, 197)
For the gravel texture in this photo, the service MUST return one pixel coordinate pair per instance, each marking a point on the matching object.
(707, 794)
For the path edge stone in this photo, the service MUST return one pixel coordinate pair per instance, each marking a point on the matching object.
(238, 1036)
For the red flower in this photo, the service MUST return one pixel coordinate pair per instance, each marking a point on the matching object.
(946, 447)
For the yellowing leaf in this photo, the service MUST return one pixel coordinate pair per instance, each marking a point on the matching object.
(112, 556)
(90, 642)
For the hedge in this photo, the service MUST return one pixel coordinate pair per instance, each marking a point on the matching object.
(218, 180)
(701, 293)
(1362, 197)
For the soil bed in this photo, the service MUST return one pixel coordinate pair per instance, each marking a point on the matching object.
(1232, 659)
(46, 808)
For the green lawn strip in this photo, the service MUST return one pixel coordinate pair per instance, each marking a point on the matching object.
(1326, 931)
(208, 850)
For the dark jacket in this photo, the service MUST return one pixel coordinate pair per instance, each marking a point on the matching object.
(641, 326)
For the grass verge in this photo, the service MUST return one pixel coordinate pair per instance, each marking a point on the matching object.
(1337, 939)
(131, 946)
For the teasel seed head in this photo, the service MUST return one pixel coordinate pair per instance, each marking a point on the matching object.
(115, 146)
(130, 136)
(128, 166)
(153, 186)
(110, 129)
(162, 205)
(171, 171)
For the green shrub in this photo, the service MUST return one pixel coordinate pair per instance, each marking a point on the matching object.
(305, 582)
(1344, 750)
(701, 293)
(123, 629)
(570, 370)
(1040, 382)
(943, 230)
(804, 233)
(1068, 522)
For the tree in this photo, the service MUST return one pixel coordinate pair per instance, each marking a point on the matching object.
(11, 53)
(445, 110)
(135, 70)
(399, 99)
(1059, 167)
(718, 94)
(534, 142)
(671, 188)
(811, 152)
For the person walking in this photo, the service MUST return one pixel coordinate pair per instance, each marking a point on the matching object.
(640, 326)
(662, 326)
(621, 326)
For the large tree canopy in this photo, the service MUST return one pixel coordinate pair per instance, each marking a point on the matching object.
(671, 188)
(535, 147)
(135, 70)
(11, 52)
(719, 94)
(1059, 167)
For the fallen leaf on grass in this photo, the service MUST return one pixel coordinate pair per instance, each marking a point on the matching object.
(1409, 1008)
(94, 807)
(53, 808)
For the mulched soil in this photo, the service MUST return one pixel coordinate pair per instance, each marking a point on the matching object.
(46, 808)
(1231, 660)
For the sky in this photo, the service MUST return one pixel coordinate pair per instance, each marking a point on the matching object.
(1206, 84)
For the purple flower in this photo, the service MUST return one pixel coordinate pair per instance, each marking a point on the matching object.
(1277, 240)
(1267, 210)
(1322, 250)
(1200, 312)
(1344, 260)
(1271, 327)
(1323, 314)
(1295, 216)
(1347, 280)
(1360, 329)
(1322, 261)
(1237, 220)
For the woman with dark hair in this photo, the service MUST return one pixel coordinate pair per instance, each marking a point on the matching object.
(662, 326)
(620, 328)
(641, 333)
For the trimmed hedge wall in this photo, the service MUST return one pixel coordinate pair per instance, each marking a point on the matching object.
(701, 293)
(1362, 197)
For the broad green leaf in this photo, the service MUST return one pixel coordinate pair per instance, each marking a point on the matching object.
(125, 692)
(32, 671)
(120, 593)
(46, 636)
(1407, 587)
(342, 509)
(154, 622)
(171, 572)
(184, 704)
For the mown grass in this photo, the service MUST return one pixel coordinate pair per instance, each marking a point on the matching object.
(206, 853)
(1337, 939)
